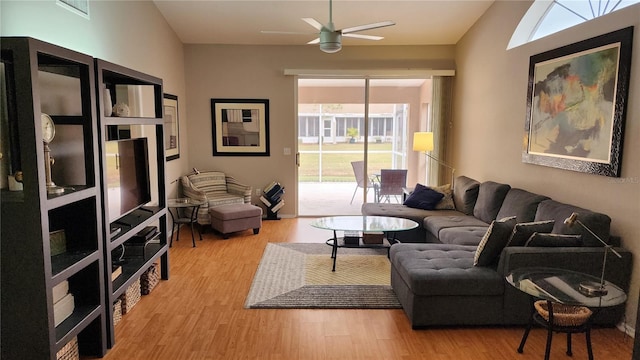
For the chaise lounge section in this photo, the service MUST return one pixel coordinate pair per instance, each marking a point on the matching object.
(453, 270)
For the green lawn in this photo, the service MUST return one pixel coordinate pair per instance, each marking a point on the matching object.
(337, 167)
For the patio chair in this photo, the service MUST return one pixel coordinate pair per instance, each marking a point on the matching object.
(361, 178)
(391, 183)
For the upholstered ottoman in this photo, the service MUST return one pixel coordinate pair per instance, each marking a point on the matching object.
(235, 217)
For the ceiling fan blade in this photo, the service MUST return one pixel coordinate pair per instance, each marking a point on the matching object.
(313, 22)
(367, 27)
(314, 41)
(287, 32)
(368, 37)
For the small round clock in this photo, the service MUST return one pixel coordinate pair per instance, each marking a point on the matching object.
(48, 128)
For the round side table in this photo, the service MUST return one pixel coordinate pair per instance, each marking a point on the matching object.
(191, 208)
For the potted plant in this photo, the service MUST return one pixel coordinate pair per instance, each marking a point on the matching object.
(352, 133)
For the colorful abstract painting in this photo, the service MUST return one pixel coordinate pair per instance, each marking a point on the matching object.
(576, 105)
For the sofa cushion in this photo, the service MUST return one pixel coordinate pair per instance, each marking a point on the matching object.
(554, 240)
(596, 222)
(465, 194)
(521, 204)
(399, 210)
(493, 242)
(447, 200)
(463, 235)
(490, 198)
(523, 231)
(423, 197)
(435, 224)
(444, 270)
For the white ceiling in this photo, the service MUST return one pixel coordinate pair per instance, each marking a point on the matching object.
(418, 22)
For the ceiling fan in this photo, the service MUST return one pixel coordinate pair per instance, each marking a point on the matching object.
(329, 38)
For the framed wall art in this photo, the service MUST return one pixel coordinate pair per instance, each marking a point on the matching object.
(576, 105)
(171, 127)
(240, 127)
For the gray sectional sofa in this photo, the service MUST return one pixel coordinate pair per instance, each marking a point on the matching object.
(433, 271)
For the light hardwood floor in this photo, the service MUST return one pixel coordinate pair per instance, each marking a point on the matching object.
(199, 314)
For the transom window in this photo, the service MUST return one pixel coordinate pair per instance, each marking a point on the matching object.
(546, 17)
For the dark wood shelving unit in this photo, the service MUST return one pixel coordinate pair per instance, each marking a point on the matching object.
(41, 78)
(122, 85)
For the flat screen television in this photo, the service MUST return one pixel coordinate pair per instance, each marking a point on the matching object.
(128, 183)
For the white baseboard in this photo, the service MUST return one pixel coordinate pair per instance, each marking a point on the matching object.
(627, 329)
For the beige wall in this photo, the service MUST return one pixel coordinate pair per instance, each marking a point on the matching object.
(113, 33)
(257, 72)
(489, 114)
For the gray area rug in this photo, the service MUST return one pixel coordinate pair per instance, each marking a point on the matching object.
(299, 276)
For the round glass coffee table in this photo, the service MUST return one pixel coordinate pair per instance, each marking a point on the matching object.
(560, 286)
(362, 225)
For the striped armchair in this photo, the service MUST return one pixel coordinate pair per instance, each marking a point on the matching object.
(215, 188)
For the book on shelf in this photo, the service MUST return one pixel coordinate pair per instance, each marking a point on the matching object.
(270, 186)
(278, 206)
(273, 191)
(60, 290)
(277, 196)
(63, 309)
(351, 237)
(116, 270)
(265, 201)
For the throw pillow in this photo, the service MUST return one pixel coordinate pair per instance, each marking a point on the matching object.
(423, 197)
(523, 231)
(493, 241)
(447, 201)
(554, 240)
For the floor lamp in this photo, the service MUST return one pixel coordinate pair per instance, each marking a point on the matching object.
(423, 142)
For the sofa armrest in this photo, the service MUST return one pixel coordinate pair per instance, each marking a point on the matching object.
(587, 260)
(191, 191)
(237, 188)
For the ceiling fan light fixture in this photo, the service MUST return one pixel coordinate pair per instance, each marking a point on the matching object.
(330, 42)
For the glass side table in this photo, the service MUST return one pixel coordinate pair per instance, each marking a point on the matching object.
(559, 286)
(190, 207)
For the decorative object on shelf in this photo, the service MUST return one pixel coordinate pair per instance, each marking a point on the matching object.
(591, 288)
(48, 134)
(58, 242)
(171, 127)
(117, 312)
(131, 297)
(150, 279)
(107, 104)
(70, 351)
(121, 110)
(116, 271)
(576, 105)
(272, 199)
(373, 237)
(423, 142)
(15, 182)
(240, 127)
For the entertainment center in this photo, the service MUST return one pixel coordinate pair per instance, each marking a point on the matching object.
(86, 180)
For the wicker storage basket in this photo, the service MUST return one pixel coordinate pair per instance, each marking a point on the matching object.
(131, 297)
(563, 315)
(117, 312)
(69, 351)
(150, 279)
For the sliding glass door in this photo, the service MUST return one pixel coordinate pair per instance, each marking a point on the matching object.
(349, 131)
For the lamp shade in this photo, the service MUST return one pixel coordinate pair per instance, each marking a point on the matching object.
(423, 141)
